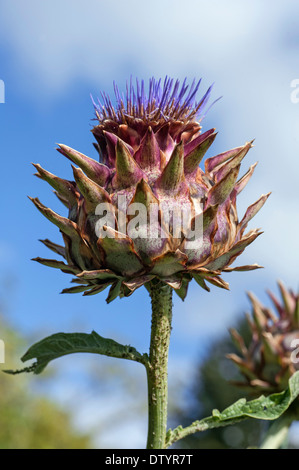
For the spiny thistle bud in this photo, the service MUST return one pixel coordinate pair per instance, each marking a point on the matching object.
(272, 355)
(150, 147)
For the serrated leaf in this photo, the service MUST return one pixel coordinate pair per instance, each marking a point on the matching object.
(266, 408)
(62, 344)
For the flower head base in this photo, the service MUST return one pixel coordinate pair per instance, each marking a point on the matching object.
(272, 355)
(150, 147)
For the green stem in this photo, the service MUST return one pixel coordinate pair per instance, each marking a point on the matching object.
(161, 296)
(278, 432)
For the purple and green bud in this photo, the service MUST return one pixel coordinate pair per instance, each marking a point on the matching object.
(150, 146)
(271, 356)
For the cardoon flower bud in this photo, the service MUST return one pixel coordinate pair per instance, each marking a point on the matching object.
(146, 209)
(272, 354)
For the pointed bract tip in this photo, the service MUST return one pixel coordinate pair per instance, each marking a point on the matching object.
(77, 172)
(76, 169)
(195, 156)
(173, 174)
(251, 296)
(128, 172)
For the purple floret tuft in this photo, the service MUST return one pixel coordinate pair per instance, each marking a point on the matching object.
(165, 101)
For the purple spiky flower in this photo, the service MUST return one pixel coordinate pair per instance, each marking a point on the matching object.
(150, 146)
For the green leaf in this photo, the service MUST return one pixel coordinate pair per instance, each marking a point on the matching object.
(61, 344)
(267, 408)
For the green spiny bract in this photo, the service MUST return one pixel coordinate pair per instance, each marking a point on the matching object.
(150, 148)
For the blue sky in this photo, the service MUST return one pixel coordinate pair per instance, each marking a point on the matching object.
(54, 54)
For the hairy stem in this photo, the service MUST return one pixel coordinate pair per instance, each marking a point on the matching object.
(161, 296)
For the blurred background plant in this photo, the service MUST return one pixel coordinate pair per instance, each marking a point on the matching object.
(211, 389)
(269, 357)
(29, 419)
(263, 341)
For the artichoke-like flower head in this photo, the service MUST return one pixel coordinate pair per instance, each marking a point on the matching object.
(145, 209)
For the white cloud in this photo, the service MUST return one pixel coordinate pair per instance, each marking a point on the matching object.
(57, 43)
